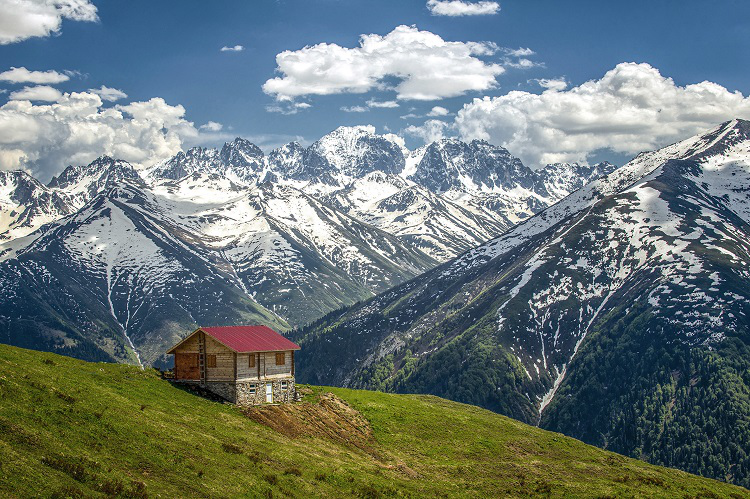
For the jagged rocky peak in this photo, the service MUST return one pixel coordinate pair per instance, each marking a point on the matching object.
(288, 159)
(449, 164)
(356, 151)
(92, 178)
(241, 152)
(560, 179)
(18, 187)
(240, 160)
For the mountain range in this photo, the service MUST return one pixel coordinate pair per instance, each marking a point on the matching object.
(108, 262)
(617, 315)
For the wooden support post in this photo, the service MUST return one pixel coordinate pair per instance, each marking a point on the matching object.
(292, 362)
(258, 363)
(234, 359)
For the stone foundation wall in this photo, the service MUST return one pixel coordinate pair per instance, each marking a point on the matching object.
(241, 392)
(224, 389)
(245, 396)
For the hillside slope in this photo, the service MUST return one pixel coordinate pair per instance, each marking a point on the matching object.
(618, 316)
(71, 428)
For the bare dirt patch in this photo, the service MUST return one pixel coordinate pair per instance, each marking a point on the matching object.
(330, 418)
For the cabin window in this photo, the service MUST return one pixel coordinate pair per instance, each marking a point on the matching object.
(284, 385)
(251, 360)
(280, 359)
(252, 390)
(210, 360)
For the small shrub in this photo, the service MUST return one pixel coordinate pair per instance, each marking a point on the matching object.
(68, 492)
(320, 476)
(68, 465)
(143, 407)
(112, 487)
(254, 457)
(271, 478)
(544, 489)
(137, 490)
(49, 362)
(231, 448)
(64, 396)
(368, 492)
(293, 471)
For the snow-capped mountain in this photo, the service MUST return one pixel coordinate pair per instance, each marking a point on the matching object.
(288, 237)
(137, 266)
(445, 197)
(240, 161)
(636, 284)
(82, 183)
(26, 204)
(115, 281)
(433, 223)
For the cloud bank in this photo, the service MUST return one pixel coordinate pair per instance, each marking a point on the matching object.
(632, 108)
(76, 128)
(425, 66)
(23, 19)
(461, 8)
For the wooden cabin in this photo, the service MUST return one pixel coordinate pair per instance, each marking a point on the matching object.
(247, 365)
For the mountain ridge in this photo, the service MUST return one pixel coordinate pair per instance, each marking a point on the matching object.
(661, 242)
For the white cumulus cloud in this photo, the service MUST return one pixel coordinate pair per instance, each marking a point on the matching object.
(462, 8)
(109, 94)
(558, 84)
(632, 108)
(37, 93)
(236, 48)
(212, 126)
(23, 19)
(438, 111)
(429, 131)
(44, 138)
(382, 104)
(354, 109)
(426, 67)
(23, 75)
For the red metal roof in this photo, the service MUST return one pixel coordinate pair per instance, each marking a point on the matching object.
(243, 339)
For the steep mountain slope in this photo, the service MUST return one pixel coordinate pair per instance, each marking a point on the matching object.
(302, 232)
(431, 222)
(294, 254)
(115, 281)
(634, 285)
(75, 429)
(136, 267)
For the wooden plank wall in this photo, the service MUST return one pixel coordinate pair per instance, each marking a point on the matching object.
(224, 370)
(271, 367)
(243, 371)
(267, 365)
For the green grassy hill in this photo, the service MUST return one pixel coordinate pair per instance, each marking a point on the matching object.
(75, 429)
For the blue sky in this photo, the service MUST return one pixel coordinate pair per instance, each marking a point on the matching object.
(171, 50)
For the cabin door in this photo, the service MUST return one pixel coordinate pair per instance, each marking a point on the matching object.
(269, 392)
(186, 366)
